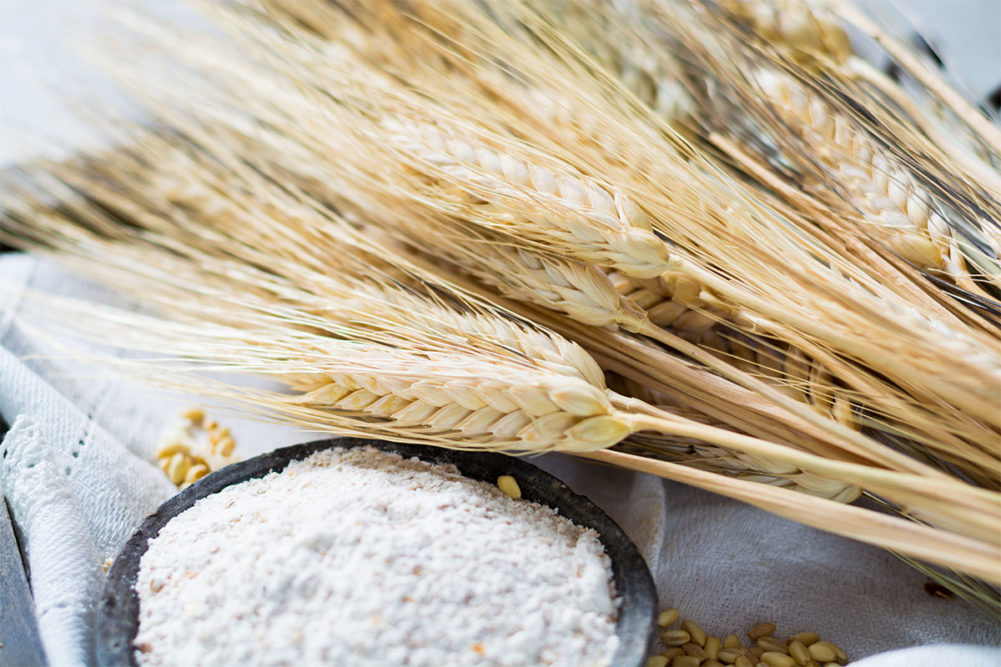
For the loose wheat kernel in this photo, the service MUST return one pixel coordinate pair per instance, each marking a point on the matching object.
(216, 435)
(226, 446)
(712, 647)
(194, 415)
(656, 661)
(798, 650)
(712, 663)
(823, 652)
(695, 650)
(756, 652)
(672, 653)
(685, 661)
(698, 636)
(729, 656)
(509, 485)
(776, 659)
(806, 638)
(761, 630)
(177, 468)
(668, 616)
(772, 644)
(675, 637)
(731, 641)
(172, 448)
(195, 473)
(743, 661)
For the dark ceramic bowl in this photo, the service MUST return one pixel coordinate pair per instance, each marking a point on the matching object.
(118, 613)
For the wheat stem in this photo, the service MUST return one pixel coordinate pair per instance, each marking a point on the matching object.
(898, 535)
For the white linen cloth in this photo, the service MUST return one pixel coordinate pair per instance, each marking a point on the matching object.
(76, 472)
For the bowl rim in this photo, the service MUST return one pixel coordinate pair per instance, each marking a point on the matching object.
(117, 613)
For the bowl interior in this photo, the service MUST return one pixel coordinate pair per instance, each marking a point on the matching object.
(117, 619)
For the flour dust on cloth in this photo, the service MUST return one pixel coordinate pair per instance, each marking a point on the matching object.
(77, 477)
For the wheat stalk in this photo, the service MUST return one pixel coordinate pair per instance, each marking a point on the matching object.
(688, 350)
(882, 530)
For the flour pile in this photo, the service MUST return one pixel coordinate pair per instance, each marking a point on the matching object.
(360, 557)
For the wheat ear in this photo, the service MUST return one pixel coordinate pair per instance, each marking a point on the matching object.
(556, 283)
(511, 219)
(801, 386)
(893, 206)
(804, 29)
(599, 224)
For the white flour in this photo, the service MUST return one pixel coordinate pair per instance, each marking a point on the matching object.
(359, 557)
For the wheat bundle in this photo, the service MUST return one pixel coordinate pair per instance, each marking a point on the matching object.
(456, 249)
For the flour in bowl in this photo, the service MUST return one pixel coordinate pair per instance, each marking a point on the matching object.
(361, 557)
